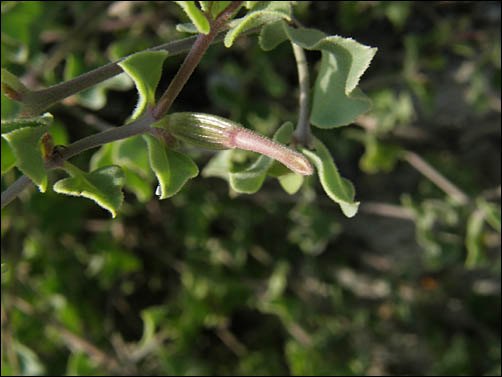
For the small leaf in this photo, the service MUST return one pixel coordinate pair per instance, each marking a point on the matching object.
(103, 185)
(473, 239)
(272, 11)
(337, 188)
(145, 69)
(23, 136)
(196, 16)
(187, 28)
(173, 169)
(291, 182)
(251, 179)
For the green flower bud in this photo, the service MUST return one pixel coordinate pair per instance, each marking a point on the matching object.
(202, 130)
(213, 132)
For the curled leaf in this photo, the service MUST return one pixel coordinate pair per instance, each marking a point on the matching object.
(337, 188)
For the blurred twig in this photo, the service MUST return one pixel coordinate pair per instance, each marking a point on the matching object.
(437, 178)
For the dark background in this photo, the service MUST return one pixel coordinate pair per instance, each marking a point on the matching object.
(210, 282)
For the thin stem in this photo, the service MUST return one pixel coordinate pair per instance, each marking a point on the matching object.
(38, 100)
(442, 182)
(303, 134)
(14, 190)
(192, 60)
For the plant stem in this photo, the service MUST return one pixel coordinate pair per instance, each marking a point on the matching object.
(192, 60)
(436, 177)
(14, 190)
(303, 134)
(137, 127)
(141, 124)
(35, 102)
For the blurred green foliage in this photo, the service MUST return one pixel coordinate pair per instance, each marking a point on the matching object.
(208, 283)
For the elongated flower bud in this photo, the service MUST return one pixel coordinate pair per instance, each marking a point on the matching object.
(213, 132)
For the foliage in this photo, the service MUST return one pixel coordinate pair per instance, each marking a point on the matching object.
(211, 281)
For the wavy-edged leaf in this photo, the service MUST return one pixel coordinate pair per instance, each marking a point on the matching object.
(336, 99)
(132, 155)
(145, 69)
(251, 179)
(196, 16)
(271, 11)
(337, 188)
(173, 169)
(103, 185)
(23, 136)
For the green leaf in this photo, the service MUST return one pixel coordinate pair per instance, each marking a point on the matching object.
(270, 12)
(132, 155)
(8, 158)
(378, 156)
(173, 169)
(272, 35)
(291, 182)
(103, 185)
(23, 136)
(473, 239)
(137, 184)
(492, 213)
(336, 100)
(196, 16)
(145, 69)
(219, 165)
(337, 188)
(251, 179)
(218, 7)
